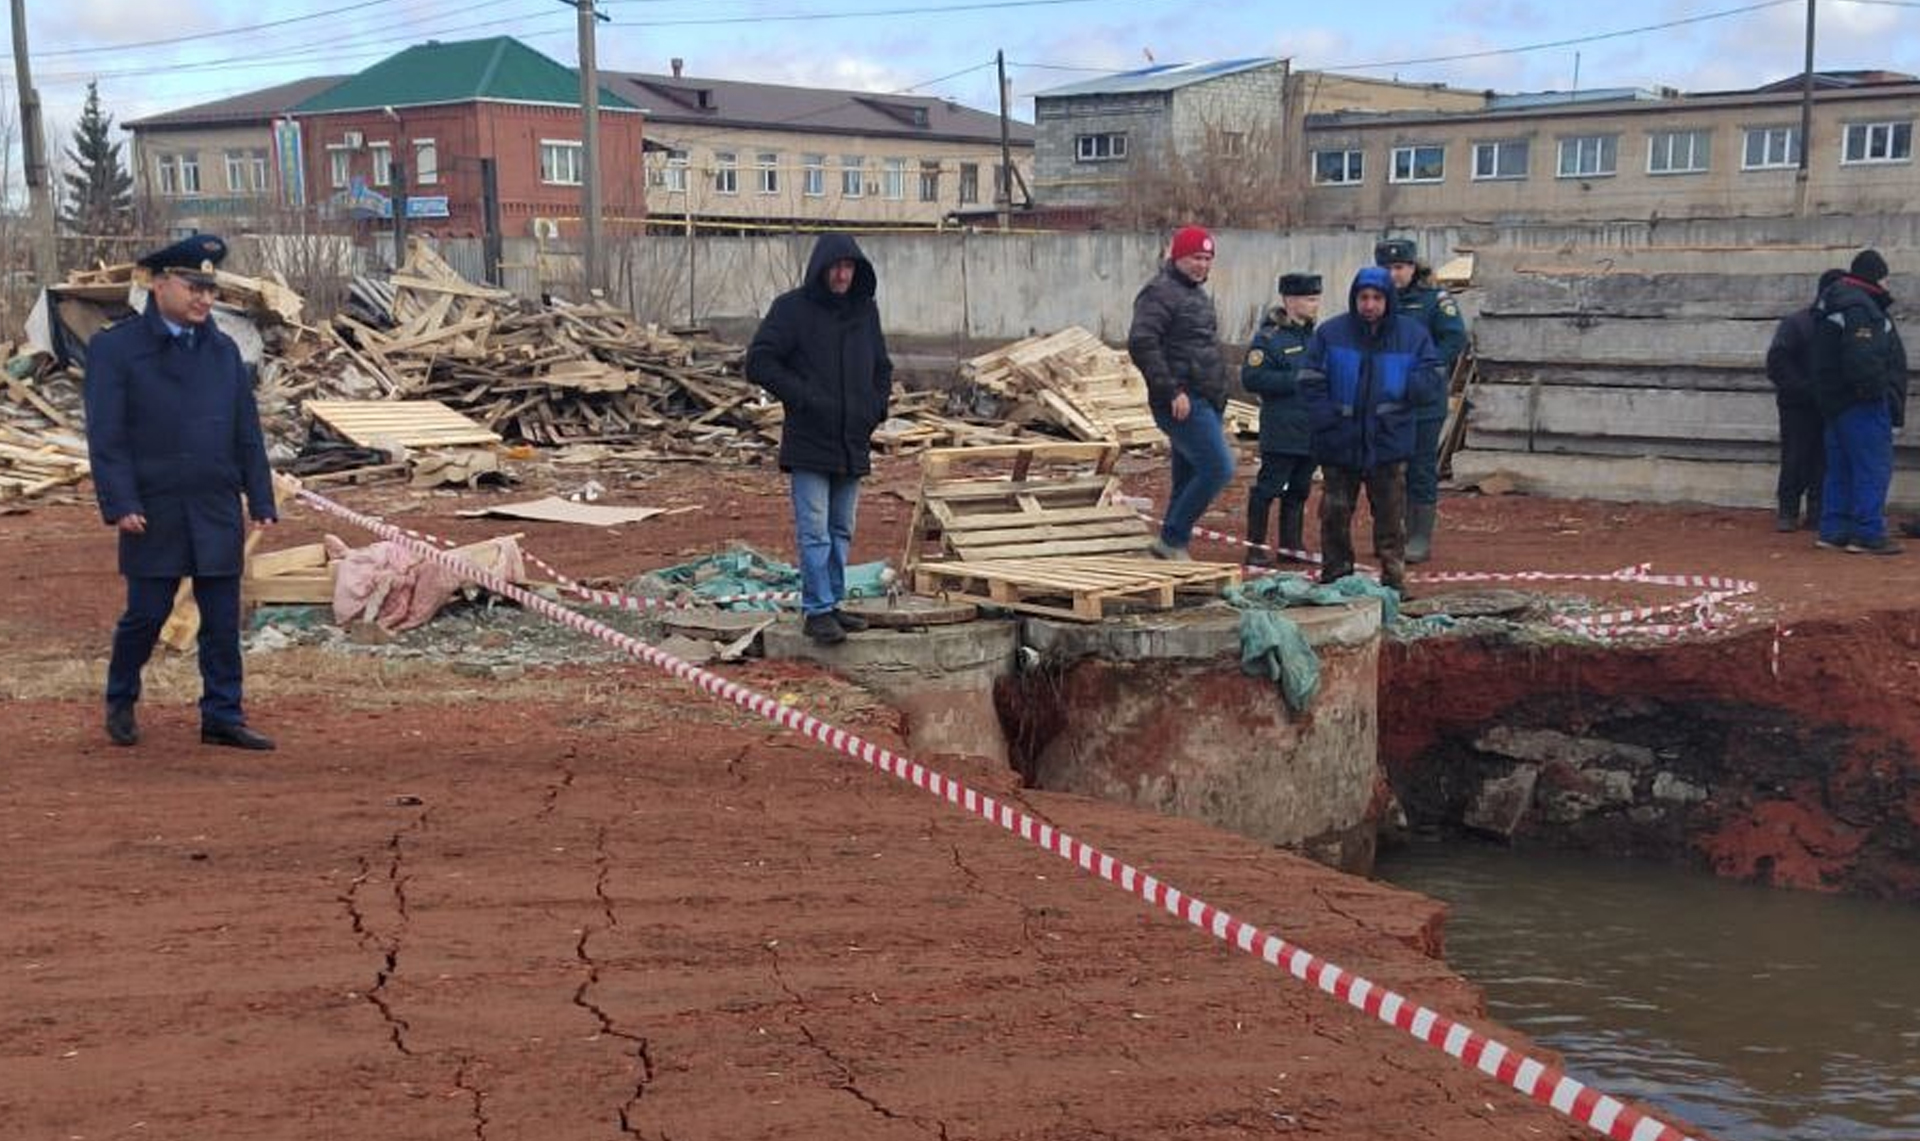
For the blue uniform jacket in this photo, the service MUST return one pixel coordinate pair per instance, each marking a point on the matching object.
(1431, 309)
(173, 434)
(1272, 372)
(1361, 383)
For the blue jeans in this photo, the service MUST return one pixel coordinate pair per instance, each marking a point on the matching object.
(149, 602)
(1423, 468)
(1853, 502)
(823, 509)
(1202, 466)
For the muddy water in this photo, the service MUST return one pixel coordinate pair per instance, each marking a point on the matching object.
(1757, 1015)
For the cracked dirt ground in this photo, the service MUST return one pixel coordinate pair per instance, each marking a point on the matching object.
(587, 903)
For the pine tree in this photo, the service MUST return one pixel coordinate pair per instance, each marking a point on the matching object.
(99, 193)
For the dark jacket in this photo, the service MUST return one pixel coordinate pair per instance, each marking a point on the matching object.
(1272, 372)
(1790, 359)
(1361, 381)
(1175, 340)
(173, 434)
(1430, 307)
(825, 358)
(1857, 354)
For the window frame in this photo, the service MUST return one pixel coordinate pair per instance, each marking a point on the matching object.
(1100, 146)
(893, 179)
(1353, 166)
(426, 162)
(726, 173)
(813, 176)
(853, 177)
(380, 164)
(1499, 149)
(1606, 148)
(766, 173)
(969, 180)
(550, 152)
(1699, 151)
(340, 167)
(930, 180)
(1793, 144)
(1894, 129)
(1413, 151)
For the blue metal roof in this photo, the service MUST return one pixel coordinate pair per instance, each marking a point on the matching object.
(1160, 77)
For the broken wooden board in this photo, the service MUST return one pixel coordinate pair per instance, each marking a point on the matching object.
(1085, 588)
(553, 509)
(1027, 499)
(411, 423)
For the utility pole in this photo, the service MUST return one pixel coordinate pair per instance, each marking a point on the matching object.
(1003, 186)
(590, 141)
(1801, 179)
(33, 144)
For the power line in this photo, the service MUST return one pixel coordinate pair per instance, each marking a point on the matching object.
(197, 36)
(932, 9)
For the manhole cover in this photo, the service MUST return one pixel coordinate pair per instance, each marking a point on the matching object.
(912, 610)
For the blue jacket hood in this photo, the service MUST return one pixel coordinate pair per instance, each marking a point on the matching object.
(1373, 277)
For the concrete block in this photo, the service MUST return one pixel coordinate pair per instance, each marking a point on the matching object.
(1648, 479)
(1204, 633)
(1503, 803)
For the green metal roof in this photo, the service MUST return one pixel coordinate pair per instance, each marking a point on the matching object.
(500, 69)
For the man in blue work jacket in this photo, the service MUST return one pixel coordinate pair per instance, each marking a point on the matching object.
(1363, 374)
(1416, 297)
(174, 438)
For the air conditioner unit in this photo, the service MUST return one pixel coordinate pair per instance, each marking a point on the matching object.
(546, 229)
(354, 139)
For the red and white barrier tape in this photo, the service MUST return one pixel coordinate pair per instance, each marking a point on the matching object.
(1605, 1114)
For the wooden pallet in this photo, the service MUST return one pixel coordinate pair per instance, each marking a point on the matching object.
(412, 423)
(1083, 588)
(1021, 500)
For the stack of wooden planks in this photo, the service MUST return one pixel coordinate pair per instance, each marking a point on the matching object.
(1074, 381)
(42, 443)
(1038, 528)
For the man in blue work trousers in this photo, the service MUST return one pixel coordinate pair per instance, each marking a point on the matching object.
(174, 438)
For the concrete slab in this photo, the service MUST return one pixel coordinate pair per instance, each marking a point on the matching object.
(1209, 632)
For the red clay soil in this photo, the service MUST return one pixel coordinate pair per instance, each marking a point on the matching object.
(592, 903)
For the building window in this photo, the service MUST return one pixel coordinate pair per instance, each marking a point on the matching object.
(1677, 152)
(893, 176)
(672, 175)
(560, 163)
(380, 155)
(189, 167)
(766, 172)
(426, 162)
(1231, 144)
(246, 172)
(168, 168)
(852, 170)
(1878, 142)
(929, 181)
(1108, 147)
(726, 172)
(813, 178)
(1506, 158)
(1770, 148)
(969, 183)
(1589, 156)
(1337, 168)
(339, 167)
(1419, 164)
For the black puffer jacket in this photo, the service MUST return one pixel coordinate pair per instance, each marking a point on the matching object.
(824, 357)
(1857, 354)
(1175, 340)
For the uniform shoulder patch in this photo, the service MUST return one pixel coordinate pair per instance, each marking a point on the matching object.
(1448, 307)
(1256, 358)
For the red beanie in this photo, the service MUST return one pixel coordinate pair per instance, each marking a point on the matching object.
(1189, 240)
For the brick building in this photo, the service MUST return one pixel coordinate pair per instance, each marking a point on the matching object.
(438, 111)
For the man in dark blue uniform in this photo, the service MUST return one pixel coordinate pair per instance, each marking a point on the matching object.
(174, 438)
(1272, 372)
(1416, 296)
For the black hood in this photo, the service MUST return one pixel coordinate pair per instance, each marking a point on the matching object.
(829, 249)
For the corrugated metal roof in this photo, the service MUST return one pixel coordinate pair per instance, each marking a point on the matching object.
(691, 101)
(253, 107)
(501, 69)
(1519, 99)
(1161, 77)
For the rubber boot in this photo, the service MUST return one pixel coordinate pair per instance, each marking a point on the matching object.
(1293, 527)
(1420, 520)
(1787, 516)
(1258, 508)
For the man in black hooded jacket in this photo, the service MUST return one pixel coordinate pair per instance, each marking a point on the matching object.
(821, 352)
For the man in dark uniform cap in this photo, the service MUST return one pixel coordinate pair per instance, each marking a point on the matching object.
(174, 439)
(1426, 303)
(1272, 372)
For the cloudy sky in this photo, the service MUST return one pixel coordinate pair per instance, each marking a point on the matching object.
(150, 56)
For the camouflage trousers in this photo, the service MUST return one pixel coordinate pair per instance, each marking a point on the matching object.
(1386, 487)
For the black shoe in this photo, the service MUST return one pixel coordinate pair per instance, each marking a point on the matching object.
(851, 623)
(121, 727)
(1880, 546)
(1785, 522)
(823, 629)
(233, 736)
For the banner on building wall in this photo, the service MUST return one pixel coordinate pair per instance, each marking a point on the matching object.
(287, 162)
